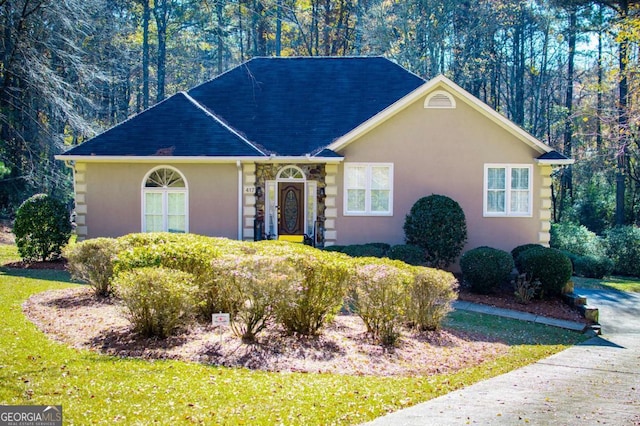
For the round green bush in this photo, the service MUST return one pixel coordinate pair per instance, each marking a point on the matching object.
(42, 228)
(576, 239)
(549, 266)
(413, 255)
(516, 252)
(486, 268)
(624, 249)
(438, 225)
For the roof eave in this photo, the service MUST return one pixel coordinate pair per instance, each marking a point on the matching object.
(556, 162)
(155, 159)
(194, 159)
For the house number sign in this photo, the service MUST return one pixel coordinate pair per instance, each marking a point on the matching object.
(220, 320)
(249, 189)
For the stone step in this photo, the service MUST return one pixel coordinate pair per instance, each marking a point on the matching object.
(574, 300)
(589, 313)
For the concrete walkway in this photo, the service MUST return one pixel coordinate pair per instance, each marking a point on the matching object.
(596, 382)
(522, 316)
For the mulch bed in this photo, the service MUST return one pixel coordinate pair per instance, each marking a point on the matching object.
(504, 298)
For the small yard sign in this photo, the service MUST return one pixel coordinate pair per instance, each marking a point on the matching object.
(220, 320)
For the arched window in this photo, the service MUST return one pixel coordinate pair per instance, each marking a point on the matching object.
(290, 173)
(164, 201)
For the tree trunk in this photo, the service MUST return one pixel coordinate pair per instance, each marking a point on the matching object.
(566, 188)
(146, 15)
(278, 27)
(623, 120)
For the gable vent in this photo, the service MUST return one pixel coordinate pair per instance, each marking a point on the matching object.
(439, 99)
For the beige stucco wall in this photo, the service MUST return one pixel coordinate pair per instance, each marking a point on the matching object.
(442, 151)
(108, 198)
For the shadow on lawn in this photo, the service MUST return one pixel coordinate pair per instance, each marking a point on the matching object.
(38, 274)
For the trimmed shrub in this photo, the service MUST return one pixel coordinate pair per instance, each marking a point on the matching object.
(335, 248)
(486, 268)
(576, 239)
(362, 250)
(430, 296)
(187, 253)
(623, 247)
(42, 228)
(549, 266)
(91, 261)
(438, 225)
(379, 296)
(315, 295)
(413, 255)
(516, 252)
(158, 300)
(249, 288)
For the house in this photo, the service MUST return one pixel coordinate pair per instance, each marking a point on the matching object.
(334, 149)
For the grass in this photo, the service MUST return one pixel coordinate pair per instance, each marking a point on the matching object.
(628, 284)
(8, 254)
(97, 389)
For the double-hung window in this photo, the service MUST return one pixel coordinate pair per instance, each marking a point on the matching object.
(507, 190)
(368, 189)
(164, 199)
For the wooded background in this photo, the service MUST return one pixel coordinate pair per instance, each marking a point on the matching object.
(564, 70)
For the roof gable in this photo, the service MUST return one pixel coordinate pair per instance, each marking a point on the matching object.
(176, 127)
(443, 83)
(298, 106)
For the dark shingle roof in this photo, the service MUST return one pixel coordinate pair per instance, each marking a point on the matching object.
(552, 155)
(281, 106)
(174, 127)
(296, 106)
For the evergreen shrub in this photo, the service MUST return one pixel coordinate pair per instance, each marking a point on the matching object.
(182, 252)
(486, 268)
(379, 292)
(438, 225)
(42, 228)
(576, 239)
(249, 288)
(430, 296)
(315, 295)
(158, 300)
(362, 250)
(92, 261)
(623, 247)
(413, 255)
(517, 251)
(592, 266)
(549, 266)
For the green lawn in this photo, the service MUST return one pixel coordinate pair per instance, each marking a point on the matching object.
(630, 284)
(97, 389)
(8, 254)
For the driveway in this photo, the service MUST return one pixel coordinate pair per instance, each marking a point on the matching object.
(596, 382)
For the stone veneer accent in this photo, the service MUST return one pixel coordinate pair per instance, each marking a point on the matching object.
(80, 191)
(268, 171)
(545, 205)
(249, 200)
(331, 210)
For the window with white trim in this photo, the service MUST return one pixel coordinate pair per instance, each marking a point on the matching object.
(368, 189)
(164, 201)
(508, 190)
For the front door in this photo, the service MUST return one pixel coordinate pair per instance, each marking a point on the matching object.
(291, 208)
